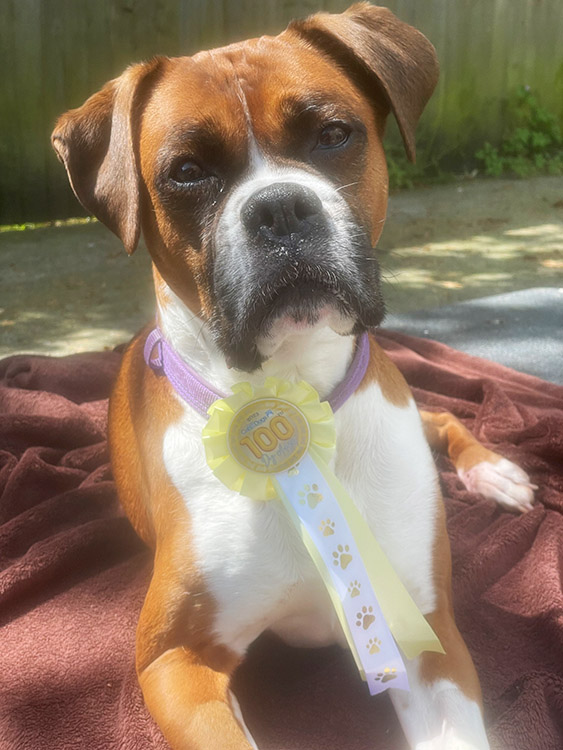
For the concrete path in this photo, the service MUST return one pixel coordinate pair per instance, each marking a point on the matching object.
(522, 330)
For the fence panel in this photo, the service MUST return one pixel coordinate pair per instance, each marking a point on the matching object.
(54, 53)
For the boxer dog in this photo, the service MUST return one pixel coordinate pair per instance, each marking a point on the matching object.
(257, 175)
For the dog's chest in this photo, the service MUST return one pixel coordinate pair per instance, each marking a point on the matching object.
(252, 558)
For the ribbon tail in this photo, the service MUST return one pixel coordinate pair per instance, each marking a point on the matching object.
(318, 516)
(409, 627)
(323, 572)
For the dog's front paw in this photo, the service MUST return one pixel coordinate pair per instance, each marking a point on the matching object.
(501, 480)
(449, 740)
(445, 743)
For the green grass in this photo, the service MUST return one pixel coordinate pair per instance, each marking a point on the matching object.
(31, 225)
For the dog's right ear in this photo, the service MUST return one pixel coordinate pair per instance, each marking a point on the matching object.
(370, 44)
(96, 143)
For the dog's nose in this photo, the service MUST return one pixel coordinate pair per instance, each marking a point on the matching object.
(282, 212)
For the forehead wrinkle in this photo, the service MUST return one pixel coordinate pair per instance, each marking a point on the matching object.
(255, 155)
(320, 103)
(205, 128)
(196, 106)
(279, 87)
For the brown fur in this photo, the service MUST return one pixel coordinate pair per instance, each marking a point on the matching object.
(456, 664)
(382, 371)
(446, 434)
(184, 673)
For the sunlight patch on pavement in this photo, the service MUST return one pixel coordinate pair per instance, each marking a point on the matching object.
(513, 243)
(79, 339)
(537, 231)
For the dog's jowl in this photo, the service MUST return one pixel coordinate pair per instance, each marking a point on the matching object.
(257, 176)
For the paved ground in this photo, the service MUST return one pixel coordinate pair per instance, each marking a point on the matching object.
(474, 239)
(522, 330)
(73, 288)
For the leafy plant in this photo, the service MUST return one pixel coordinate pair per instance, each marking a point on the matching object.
(401, 171)
(403, 175)
(532, 144)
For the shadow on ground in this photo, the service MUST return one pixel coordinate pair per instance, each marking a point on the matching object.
(520, 329)
(451, 243)
(70, 289)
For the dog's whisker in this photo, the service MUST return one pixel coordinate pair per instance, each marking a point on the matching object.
(350, 184)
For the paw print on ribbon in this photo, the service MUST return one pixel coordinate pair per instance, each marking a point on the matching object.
(342, 556)
(354, 588)
(387, 674)
(327, 527)
(365, 618)
(310, 494)
(373, 645)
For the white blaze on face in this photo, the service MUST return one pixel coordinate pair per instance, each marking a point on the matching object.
(231, 233)
(231, 239)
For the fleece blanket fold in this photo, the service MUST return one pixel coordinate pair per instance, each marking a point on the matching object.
(73, 574)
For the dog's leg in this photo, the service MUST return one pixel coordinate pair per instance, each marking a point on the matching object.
(443, 710)
(480, 469)
(183, 674)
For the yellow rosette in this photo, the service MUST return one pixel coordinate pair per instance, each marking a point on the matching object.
(259, 432)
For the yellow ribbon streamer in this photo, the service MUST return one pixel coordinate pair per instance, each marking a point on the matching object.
(408, 625)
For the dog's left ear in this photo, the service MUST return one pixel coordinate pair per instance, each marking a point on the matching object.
(96, 143)
(382, 53)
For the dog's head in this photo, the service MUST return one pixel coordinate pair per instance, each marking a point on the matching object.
(256, 171)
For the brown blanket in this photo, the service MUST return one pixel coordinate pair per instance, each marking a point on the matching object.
(73, 574)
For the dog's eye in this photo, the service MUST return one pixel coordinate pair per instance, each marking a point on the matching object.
(186, 172)
(333, 135)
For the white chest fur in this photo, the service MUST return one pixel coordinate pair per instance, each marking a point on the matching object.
(253, 561)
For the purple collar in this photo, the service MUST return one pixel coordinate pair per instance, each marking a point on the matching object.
(200, 394)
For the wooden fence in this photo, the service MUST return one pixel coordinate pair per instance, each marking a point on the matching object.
(54, 53)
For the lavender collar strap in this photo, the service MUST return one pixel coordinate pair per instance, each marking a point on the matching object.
(200, 394)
